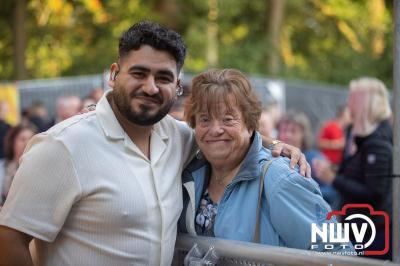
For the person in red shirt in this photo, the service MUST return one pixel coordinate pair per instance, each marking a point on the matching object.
(332, 136)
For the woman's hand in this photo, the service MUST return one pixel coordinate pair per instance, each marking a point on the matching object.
(295, 155)
(323, 171)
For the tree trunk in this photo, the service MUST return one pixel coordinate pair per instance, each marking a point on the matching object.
(212, 34)
(276, 14)
(20, 39)
(168, 9)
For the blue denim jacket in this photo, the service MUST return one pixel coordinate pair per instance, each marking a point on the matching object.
(290, 202)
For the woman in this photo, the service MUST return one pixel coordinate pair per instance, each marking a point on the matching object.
(294, 128)
(222, 184)
(15, 142)
(364, 176)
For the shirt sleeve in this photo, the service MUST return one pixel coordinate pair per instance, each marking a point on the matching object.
(295, 204)
(43, 190)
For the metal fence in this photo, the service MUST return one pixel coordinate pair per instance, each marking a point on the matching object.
(48, 90)
(318, 101)
(241, 253)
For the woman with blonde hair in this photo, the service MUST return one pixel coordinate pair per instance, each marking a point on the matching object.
(364, 177)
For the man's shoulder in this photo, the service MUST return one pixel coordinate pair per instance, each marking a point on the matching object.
(73, 126)
(173, 127)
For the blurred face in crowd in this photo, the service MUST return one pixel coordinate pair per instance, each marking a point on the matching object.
(145, 86)
(222, 136)
(353, 104)
(346, 117)
(291, 133)
(266, 125)
(21, 140)
(68, 107)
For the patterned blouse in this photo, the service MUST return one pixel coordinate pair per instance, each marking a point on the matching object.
(205, 216)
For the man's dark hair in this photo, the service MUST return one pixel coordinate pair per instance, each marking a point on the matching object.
(156, 36)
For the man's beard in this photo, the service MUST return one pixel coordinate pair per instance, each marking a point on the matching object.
(142, 117)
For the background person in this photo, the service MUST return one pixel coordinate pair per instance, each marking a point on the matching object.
(4, 126)
(223, 181)
(66, 107)
(332, 136)
(15, 142)
(294, 128)
(364, 177)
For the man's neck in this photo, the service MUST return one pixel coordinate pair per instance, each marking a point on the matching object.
(140, 135)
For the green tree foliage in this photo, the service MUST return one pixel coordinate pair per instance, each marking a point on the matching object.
(326, 40)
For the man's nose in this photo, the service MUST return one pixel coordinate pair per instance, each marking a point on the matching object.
(150, 86)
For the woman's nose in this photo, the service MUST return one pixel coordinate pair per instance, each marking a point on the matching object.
(216, 127)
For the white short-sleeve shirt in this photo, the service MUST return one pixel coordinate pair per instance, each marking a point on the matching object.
(90, 197)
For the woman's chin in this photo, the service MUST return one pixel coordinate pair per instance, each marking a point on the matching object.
(217, 157)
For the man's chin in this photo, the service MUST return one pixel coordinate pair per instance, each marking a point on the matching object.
(146, 119)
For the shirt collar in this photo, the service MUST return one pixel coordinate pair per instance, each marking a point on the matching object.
(107, 118)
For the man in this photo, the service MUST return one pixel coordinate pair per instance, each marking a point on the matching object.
(103, 188)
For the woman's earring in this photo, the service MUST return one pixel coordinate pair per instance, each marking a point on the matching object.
(179, 91)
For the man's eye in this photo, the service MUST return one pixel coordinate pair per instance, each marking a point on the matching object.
(165, 79)
(137, 74)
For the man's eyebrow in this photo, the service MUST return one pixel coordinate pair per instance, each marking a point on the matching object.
(165, 72)
(139, 67)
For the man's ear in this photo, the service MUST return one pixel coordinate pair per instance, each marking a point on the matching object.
(114, 69)
(179, 88)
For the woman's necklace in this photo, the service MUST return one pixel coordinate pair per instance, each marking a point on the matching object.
(220, 180)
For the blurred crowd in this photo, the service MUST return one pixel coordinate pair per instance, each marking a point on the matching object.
(350, 157)
(34, 119)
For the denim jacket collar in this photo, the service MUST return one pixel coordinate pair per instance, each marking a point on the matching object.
(250, 166)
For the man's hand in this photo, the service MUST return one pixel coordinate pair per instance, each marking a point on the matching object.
(295, 155)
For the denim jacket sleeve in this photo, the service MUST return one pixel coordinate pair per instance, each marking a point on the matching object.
(295, 202)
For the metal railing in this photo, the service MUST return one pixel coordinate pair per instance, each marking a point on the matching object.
(47, 91)
(244, 253)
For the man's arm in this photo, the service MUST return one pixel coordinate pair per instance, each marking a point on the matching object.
(14, 247)
(295, 154)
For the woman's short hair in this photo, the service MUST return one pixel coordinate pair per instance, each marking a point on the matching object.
(373, 100)
(222, 85)
(301, 119)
